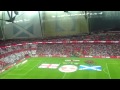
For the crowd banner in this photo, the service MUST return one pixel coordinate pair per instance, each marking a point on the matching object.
(53, 42)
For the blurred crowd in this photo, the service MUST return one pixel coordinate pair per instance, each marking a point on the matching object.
(14, 53)
(91, 37)
(79, 49)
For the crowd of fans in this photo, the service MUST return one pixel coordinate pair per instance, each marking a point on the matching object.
(14, 53)
(91, 37)
(79, 49)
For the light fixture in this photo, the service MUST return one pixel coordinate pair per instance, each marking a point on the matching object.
(66, 11)
(16, 12)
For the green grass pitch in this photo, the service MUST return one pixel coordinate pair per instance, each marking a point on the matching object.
(30, 70)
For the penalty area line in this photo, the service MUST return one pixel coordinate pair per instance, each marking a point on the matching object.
(63, 75)
(108, 71)
(32, 68)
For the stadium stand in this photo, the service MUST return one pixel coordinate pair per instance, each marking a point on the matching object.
(12, 50)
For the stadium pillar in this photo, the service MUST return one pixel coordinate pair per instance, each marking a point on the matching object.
(87, 16)
(40, 19)
(2, 26)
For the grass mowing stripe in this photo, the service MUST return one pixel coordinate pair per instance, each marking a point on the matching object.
(23, 69)
(42, 70)
(5, 72)
(33, 67)
(108, 71)
(30, 70)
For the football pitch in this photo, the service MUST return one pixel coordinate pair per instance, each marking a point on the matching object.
(64, 68)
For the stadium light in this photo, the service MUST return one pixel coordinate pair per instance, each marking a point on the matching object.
(16, 12)
(66, 11)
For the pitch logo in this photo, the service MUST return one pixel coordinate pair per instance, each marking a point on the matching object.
(53, 66)
(85, 67)
(68, 68)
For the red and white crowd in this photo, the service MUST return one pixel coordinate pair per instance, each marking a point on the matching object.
(13, 52)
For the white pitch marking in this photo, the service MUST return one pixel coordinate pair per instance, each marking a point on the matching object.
(63, 75)
(105, 71)
(31, 68)
(108, 71)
